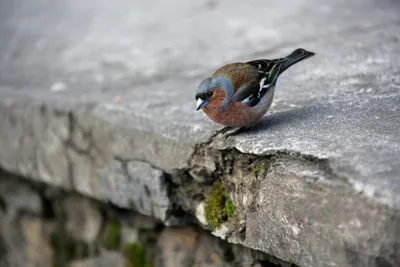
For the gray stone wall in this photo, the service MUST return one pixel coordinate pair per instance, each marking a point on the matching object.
(44, 226)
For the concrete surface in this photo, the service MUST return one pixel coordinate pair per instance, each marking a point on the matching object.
(89, 87)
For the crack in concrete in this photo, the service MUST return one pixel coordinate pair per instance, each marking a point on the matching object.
(233, 167)
(68, 143)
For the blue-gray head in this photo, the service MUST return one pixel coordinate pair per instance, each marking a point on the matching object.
(217, 90)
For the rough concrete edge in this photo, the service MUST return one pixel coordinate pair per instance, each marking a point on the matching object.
(370, 250)
(198, 150)
(43, 146)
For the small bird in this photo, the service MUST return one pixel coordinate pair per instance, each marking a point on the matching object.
(239, 94)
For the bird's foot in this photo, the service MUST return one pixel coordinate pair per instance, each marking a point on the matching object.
(234, 131)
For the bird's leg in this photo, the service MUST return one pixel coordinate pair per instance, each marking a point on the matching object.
(226, 130)
(230, 131)
(234, 131)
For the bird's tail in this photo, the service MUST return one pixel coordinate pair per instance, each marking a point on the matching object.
(296, 56)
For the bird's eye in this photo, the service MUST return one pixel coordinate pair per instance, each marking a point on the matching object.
(210, 93)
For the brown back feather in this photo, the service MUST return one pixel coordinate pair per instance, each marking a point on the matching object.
(239, 73)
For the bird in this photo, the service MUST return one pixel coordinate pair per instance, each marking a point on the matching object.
(239, 94)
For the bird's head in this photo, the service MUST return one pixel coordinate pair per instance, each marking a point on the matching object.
(214, 92)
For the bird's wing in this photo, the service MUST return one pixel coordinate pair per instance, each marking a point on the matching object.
(268, 71)
(265, 72)
(248, 93)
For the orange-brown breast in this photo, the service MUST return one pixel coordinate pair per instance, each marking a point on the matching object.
(235, 115)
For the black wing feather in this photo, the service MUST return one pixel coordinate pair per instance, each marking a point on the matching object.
(269, 70)
(266, 65)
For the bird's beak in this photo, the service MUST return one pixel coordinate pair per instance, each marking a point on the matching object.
(201, 103)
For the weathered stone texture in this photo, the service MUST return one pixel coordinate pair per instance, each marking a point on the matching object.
(72, 230)
(95, 107)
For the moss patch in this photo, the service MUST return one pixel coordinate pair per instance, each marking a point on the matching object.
(258, 169)
(229, 208)
(344, 179)
(218, 207)
(135, 255)
(112, 235)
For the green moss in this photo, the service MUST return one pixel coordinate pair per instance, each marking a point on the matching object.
(135, 255)
(112, 235)
(180, 192)
(229, 208)
(343, 179)
(257, 170)
(218, 208)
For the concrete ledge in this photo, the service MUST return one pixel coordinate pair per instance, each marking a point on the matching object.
(316, 183)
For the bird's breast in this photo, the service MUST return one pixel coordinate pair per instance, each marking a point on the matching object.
(235, 115)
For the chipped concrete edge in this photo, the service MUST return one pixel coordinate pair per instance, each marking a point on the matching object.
(295, 207)
(77, 151)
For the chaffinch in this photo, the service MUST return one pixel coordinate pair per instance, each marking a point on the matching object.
(239, 94)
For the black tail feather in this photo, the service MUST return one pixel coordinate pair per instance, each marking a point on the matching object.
(279, 65)
(270, 69)
(268, 72)
(296, 56)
